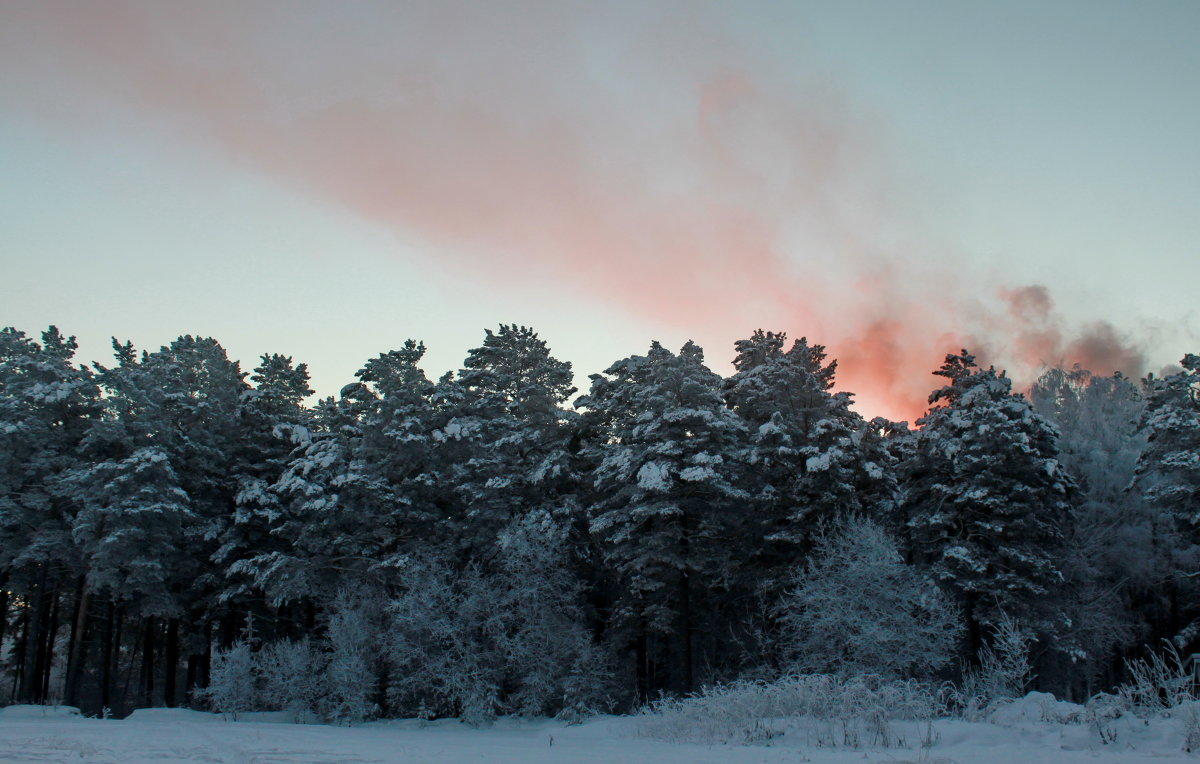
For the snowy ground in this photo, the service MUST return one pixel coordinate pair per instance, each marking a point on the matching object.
(36, 734)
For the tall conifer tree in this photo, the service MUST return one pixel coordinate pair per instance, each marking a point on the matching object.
(987, 500)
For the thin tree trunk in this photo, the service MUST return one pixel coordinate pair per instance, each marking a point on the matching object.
(974, 632)
(32, 652)
(195, 658)
(206, 658)
(193, 675)
(685, 607)
(147, 695)
(51, 636)
(133, 659)
(685, 601)
(228, 634)
(641, 657)
(21, 652)
(107, 649)
(75, 656)
(171, 662)
(3, 606)
(34, 679)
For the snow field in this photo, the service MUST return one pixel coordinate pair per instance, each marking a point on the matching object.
(1028, 731)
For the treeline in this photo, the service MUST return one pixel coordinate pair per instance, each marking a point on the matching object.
(477, 545)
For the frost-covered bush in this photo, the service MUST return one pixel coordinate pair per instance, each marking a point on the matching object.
(856, 608)
(1157, 683)
(292, 677)
(1158, 688)
(333, 681)
(441, 647)
(232, 684)
(550, 659)
(1003, 673)
(830, 710)
(475, 643)
(350, 678)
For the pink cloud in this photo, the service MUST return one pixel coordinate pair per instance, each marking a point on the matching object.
(638, 156)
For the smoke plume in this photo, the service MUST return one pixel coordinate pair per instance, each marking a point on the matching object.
(635, 154)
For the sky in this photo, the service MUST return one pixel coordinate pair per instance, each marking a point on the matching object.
(894, 180)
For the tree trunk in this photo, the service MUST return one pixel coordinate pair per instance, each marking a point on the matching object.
(147, 694)
(206, 658)
(191, 682)
(51, 635)
(685, 605)
(198, 664)
(228, 633)
(37, 615)
(3, 606)
(641, 679)
(20, 653)
(75, 655)
(130, 666)
(109, 647)
(171, 662)
(685, 611)
(974, 633)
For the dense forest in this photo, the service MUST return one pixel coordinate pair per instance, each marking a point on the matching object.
(175, 531)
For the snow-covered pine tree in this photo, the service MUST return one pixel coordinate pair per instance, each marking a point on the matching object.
(1168, 479)
(302, 564)
(358, 490)
(171, 433)
(131, 530)
(667, 508)
(1168, 473)
(987, 500)
(814, 458)
(505, 435)
(395, 457)
(47, 407)
(273, 421)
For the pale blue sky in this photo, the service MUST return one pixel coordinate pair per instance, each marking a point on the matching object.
(1060, 138)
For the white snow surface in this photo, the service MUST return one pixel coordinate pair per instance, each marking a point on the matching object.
(36, 734)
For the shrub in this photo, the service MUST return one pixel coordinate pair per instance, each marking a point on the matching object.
(232, 681)
(857, 608)
(349, 675)
(292, 677)
(1003, 673)
(833, 710)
